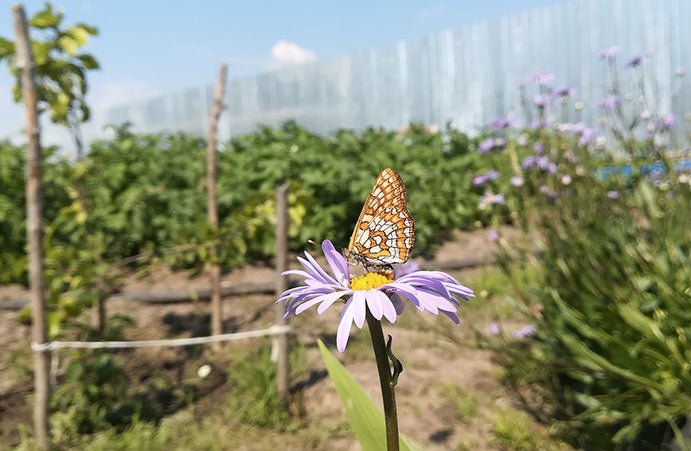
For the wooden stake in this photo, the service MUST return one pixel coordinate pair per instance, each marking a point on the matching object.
(25, 64)
(211, 206)
(281, 341)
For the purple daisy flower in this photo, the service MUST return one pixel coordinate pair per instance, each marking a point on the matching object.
(609, 102)
(522, 140)
(517, 180)
(494, 329)
(485, 146)
(434, 291)
(541, 101)
(501, 123)
(668, 121)
(587, 136)
(566, 91)
(490, 198)
(543, 78)
(609, 52)
(529, 162)
(493, 235)
(537, 147)
(524, 331)
(486, 177)
(636, 61)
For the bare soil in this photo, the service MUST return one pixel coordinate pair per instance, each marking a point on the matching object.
(435, 352)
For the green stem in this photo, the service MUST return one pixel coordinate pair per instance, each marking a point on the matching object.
(387, 385)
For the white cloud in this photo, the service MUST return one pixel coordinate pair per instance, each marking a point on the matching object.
(286, 53)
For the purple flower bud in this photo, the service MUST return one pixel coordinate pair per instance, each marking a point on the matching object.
(609, 102)
(517, 180)
(544, 78)
(501, 123)
(525, 331)
(609, 52)
(635, 61)
(541, 101)
(522, 140)
(566, 91)
(485, 146)
(494, 329)
(486, 177)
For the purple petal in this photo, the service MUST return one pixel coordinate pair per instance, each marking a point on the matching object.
(344, 326)
(321, 272)
(336, 261)
(389, 307)
(296, 272)
(359, 308)
(374, 303)
(453, 317)
(315, 273)
(397, 303)
(327, 302)
(329, 297)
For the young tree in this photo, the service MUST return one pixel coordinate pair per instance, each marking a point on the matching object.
(60, 69)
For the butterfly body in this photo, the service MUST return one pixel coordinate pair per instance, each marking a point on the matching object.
(385, 231)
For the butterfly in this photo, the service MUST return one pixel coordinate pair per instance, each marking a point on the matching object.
(385, 231)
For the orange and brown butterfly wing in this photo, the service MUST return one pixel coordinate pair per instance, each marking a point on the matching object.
(385, 231)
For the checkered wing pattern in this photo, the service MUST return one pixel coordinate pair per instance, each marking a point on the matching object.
(385, 231)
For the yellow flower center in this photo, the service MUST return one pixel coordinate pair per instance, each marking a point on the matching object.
(370, 281)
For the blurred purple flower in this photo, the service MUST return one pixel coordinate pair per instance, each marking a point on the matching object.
(541, 101)
(544, 78)
(494, 329)
(524, 331)
(609, 52)
(499, 143)
(609, 102)
(636, 61)
(613, 194)
(552, 168)
(538, 147)
(522, 140)
(501, 123)
(543, 163)
(517, 180)
(544, 189)
(434, 291)
(668, 121)
(490, 198)
(485, 146)
(493, 235)
(486, 177)
(529, 162)
(586, 136)
(566, 91)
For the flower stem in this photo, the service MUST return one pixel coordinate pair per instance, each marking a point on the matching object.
(387, 384)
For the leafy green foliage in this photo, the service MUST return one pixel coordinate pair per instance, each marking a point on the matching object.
(613, 283)
(59, 67)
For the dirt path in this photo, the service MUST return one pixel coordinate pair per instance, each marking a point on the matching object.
(439, 357)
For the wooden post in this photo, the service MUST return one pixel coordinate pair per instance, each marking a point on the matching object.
(211, 206)
(281, 341)
(34, 229)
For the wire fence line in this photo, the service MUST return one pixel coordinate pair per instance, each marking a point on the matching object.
(467, 76)
(174, 342)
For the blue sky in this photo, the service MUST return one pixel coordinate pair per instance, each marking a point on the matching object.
(154, 46)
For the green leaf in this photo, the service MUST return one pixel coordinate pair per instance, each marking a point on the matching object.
(365, 418)
(69, 44)
(6, 48)
(45, 18)
(89, 61)
(79, 34)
